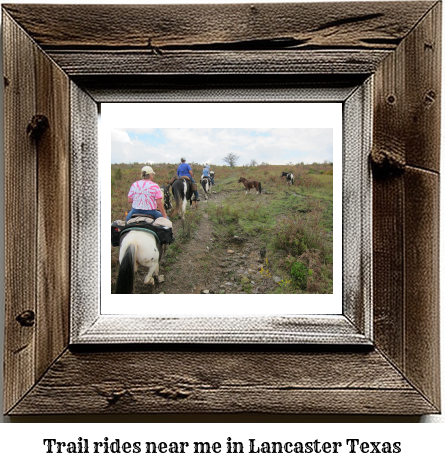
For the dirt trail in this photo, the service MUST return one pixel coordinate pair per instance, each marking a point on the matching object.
(206, 264)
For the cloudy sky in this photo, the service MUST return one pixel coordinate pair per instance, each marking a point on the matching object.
(274, 146)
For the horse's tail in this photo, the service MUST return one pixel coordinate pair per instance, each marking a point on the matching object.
(125, 279)
(259, 187)
(292, 180)
(177, 197)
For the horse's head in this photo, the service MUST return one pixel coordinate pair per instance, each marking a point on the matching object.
(241, 179)
(165, 189)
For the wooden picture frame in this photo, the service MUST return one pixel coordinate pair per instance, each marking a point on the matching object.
(75, 57)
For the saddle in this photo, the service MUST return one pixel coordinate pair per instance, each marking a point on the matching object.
(160, 228)
(194, 185)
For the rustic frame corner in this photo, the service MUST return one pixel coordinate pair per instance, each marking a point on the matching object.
(51, 68)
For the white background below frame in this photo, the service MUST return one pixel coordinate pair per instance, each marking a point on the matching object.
(223, 115)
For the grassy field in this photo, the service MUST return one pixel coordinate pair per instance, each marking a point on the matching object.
(292, 226)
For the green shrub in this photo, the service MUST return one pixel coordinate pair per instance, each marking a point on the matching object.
(299, 273)
(298, 234)
(226, 215)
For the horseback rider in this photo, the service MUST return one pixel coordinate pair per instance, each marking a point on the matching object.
(146, 196)
(184, 169)
(206, 173)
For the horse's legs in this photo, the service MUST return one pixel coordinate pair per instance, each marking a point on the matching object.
(147, 253)
(151, 270)
(184, 200)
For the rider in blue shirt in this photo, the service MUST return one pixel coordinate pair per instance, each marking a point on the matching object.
(184, 169)
(206, 172)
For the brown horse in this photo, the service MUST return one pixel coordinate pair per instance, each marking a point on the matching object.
(251, 184)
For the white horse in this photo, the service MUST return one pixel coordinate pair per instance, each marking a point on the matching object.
(137, 248)
(206, 184)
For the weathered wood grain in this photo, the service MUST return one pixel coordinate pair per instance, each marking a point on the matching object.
(388, 268)
(20, 212)
(53, 213)
(219, 381)
(341, 25)
(218, 87)
(36, 198)
(407, 113)
(406, 132)
(89, 327)
(388, 200)
(422, 364)
(357, 209)
(398, 42)
(423, 91)
(85, 210)
(123, 63)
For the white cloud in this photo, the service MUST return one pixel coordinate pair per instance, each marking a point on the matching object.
(120, 135)
(275, 146)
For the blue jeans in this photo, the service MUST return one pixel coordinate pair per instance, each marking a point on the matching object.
(196, 192)
(154, 213)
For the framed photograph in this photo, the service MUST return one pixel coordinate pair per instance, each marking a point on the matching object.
(227, 232)
(368, 343)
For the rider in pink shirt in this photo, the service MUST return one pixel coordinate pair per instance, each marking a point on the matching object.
(145, 196)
